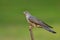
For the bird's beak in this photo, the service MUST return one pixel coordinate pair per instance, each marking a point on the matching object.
(24, 13)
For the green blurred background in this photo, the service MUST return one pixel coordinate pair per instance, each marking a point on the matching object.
(13, 25)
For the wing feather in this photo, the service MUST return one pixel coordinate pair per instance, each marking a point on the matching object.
(38, 22)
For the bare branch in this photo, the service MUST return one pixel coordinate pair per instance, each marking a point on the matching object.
(31, 33)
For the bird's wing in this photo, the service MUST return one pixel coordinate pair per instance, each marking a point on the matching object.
(38, 22)
(34, 20)
(45, 26)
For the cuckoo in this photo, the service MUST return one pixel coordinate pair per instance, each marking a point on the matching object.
(35, 22)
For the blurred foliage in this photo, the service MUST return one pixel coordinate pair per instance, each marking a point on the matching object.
(13, 25)
(11, 11)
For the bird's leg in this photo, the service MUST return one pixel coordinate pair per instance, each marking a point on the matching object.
(30, 27)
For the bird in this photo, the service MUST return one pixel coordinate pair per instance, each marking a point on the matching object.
(35, 22)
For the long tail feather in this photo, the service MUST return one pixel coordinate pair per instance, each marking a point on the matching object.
(48, 29)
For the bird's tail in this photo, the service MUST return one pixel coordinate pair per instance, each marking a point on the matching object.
(48, 29)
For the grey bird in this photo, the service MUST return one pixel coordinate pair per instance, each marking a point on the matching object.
(34, 22)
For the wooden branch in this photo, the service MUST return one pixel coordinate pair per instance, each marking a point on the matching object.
(31, 33)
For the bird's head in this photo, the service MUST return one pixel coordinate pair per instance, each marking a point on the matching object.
(26, 13)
